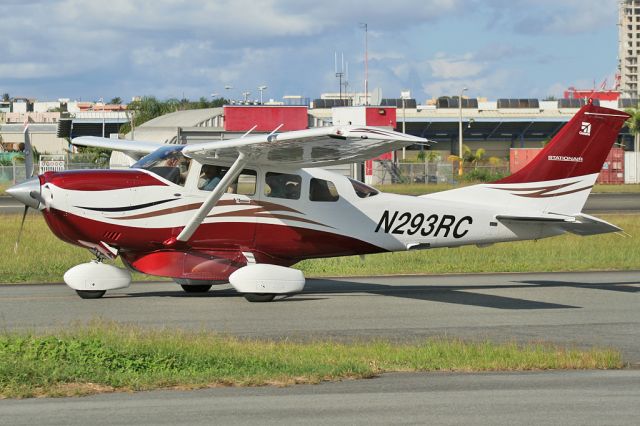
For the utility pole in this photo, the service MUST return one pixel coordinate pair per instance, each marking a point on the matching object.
(460, 129)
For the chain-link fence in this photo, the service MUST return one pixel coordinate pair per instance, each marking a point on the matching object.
(386, 172)
(13, 173)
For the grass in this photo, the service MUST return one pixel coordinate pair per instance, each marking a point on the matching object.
(424, 188)
(43, 258)
(564, 253)
(105, 358)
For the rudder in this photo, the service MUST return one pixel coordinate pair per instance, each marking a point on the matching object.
(580, 147)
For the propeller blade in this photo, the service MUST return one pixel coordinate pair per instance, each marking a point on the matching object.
(28, 152)
(24, 215)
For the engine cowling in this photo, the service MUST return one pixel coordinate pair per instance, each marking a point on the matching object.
(96, 276)
(270, 279)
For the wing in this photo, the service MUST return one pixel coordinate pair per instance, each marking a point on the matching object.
(306, 148)
(134, 149)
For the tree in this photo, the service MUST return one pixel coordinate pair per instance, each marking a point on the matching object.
(6, 97)
(634, 126)
(115, 101)
(472, 157)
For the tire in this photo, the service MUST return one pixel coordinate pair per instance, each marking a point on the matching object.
(259, 297)
(196, 288)
(91, 294)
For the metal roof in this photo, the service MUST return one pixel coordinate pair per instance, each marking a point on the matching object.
(187, 118)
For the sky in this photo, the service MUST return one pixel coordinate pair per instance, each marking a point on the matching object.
(87, 50)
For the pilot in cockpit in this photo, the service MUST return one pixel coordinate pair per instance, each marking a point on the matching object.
(210, 177)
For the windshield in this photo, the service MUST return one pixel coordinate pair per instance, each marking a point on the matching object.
(167, 162)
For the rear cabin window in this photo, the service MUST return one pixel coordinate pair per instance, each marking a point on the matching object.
(282, 185)
(362, 190)
(322, 190)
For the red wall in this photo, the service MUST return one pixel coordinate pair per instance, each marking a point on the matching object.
(242, 118)
(612, 169)
(608, 95)
(381, 116)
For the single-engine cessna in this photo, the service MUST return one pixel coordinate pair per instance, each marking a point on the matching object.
(243, 211)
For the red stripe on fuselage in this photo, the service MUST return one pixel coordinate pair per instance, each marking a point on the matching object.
(270, 243)
(101, 180)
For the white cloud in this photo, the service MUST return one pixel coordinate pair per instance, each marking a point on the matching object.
(455, 67)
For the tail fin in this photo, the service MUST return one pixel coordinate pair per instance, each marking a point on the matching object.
(579, 149)
(560, 178)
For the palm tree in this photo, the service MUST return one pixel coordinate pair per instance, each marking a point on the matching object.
(472, 157)
(634, 126)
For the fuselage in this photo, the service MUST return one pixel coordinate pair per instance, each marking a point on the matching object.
(136, 211)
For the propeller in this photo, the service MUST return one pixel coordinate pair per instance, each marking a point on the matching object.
(28, 165)
(24, 215)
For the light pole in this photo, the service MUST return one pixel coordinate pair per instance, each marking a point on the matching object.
(227, 88)
(405, 94)
(261, 89)
(103, 117)
(464, 89)
(366, 62)
(246, 96)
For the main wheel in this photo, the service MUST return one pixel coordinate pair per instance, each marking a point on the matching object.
(259, 297)
(196, 288)
(91, 294)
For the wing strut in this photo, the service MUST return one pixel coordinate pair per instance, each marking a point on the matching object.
(213, 198)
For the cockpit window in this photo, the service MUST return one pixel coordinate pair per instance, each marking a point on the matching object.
(362, 190)
(167, 162)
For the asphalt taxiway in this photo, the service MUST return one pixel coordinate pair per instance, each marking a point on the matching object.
(577, 309)
(595, 309)
(555, 398)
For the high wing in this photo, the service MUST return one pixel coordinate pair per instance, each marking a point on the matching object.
(316, 147)
(134, 149)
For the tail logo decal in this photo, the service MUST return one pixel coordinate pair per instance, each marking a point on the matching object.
(545, 191)
(564, 158)
(585, 129)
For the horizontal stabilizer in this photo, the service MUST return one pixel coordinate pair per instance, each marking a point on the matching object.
(581, 224)
(589, 225)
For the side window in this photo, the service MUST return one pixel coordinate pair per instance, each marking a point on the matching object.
(245, 184)
(362, 190)
(322, 190)
(282, 185)
(210, 177)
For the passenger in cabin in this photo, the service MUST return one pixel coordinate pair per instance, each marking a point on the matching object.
(210, 177)
(283, 185)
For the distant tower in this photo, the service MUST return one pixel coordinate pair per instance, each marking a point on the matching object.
(629, 47)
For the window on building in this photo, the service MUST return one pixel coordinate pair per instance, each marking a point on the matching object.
(282, 185)
(322, 190)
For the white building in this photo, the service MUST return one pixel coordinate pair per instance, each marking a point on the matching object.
(629, 47)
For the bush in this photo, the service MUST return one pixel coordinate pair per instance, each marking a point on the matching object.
(483, 175)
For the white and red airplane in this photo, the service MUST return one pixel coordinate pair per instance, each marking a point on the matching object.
(244, 210)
